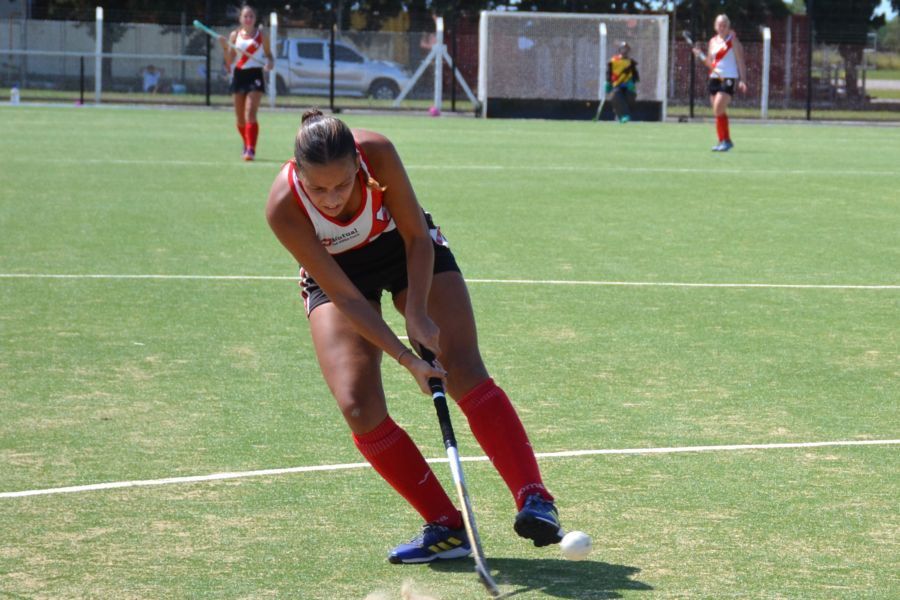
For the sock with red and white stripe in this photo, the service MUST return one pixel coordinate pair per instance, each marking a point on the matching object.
(722, 128)
(251, 135)
(395, 457)
(502, 436)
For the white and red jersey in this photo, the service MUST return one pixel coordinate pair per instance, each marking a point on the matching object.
(370, 221)
(724, 63)
(251, 45)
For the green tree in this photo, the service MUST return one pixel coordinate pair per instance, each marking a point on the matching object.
(586, 6)
(746, 15)
(889, 36)
(846, 24)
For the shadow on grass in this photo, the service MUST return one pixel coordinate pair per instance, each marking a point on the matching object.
(554, 577)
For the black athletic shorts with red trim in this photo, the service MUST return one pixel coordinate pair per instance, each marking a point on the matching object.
(726, 85)
(244, 81)
(376, 267)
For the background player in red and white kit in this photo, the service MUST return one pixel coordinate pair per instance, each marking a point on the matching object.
(248, 82)
(725, 61)
(345, 209)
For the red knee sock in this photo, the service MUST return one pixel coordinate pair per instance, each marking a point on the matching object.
(500, 432)
(242, 129)
(395, 457)
(252, 133)
(722, 128)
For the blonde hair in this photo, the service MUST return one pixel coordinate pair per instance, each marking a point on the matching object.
(725, 18)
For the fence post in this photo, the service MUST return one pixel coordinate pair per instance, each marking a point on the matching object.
(767, 59)
(601, 69)
(273, 45)
(98, 55)
(692, 58)
(482, 63)
(334, 25)
(809, 58)
(662, 58)
(454, 26)
(788, 84)
(81, 80)
(439, 65)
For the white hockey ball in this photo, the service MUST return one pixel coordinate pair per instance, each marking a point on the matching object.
(576, 545)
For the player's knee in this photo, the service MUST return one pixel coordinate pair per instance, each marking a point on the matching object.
(464, 371)
(462, 362)
(363, 412)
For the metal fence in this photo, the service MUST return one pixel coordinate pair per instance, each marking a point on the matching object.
(63, 61)
(176, 64)
(828, 82)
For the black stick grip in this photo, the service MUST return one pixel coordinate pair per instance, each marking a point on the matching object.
(440, 401)
(436, 385)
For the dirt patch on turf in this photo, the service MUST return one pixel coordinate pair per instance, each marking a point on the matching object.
(21, 459)
(244, 357)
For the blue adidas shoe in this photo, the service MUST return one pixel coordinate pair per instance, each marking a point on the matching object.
(726, 146)
(539, 521)
(434, 542)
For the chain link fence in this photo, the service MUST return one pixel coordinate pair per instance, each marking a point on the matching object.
(840, 82)
(59, 61)
(174, 63)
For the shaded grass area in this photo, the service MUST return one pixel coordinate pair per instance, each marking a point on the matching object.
(874, 113)
(220, 100)
(816, 523)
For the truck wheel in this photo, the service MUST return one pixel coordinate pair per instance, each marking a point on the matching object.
(384, 89)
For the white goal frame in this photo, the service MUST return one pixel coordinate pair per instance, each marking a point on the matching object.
(660, 87)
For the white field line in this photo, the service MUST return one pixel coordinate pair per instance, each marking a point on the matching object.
(493, 168)
(800, 286)
(362, 465)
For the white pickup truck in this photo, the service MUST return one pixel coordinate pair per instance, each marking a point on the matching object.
(304, 67)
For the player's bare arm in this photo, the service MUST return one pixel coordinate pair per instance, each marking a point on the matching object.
(709, 61)
(400, 200)
(228, 50)
(267, 50)
(298, 236)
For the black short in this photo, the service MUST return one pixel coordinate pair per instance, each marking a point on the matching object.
(725, 86)
(244, 81)
(374, 268)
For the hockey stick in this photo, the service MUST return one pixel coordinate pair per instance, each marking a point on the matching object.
(215, 35)
(599, 109)
(440, 405)
(700, 54)
(689, 40)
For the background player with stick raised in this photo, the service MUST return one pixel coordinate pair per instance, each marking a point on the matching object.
(244, 50)
(725, 61)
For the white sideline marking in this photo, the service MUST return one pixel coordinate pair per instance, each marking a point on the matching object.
(340, 467)
(676, 170)
(482, 167)
(800, 286)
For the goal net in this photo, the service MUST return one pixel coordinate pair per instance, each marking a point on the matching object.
(556, 57)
